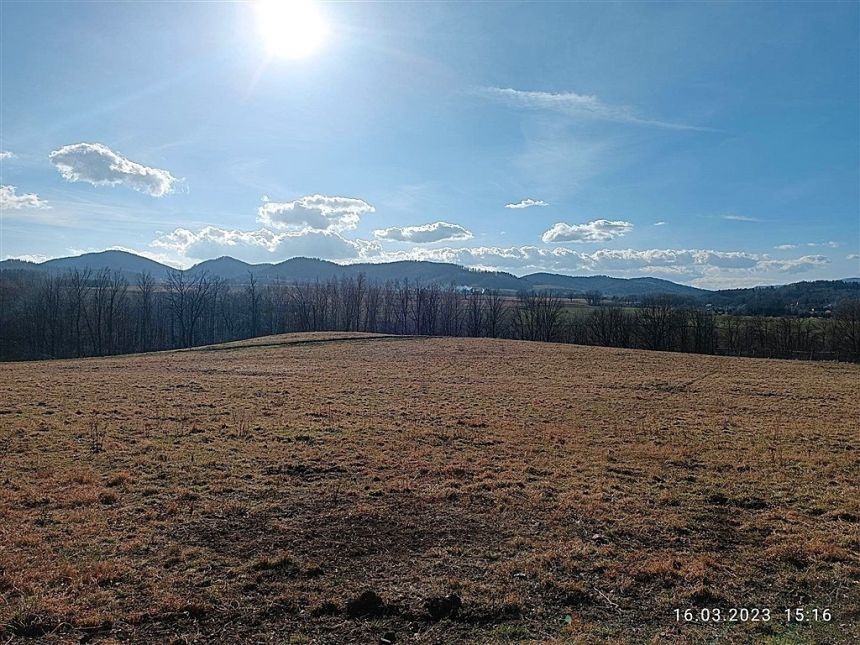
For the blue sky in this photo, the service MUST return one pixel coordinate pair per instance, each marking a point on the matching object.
(710, 144)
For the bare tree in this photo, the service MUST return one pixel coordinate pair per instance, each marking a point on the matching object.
(474, 313)
(115, 304)
(187, 298)
(78, 281)
(538, 316)
(145, 294)
(609, 326)
(593, 298)
(847, 328)
(656, 322)
(450, 312)
(704, 331)
(496, 314)
(253, 303)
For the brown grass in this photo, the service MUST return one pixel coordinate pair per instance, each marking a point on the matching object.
(260, 492)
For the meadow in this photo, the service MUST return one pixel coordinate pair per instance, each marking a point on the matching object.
(346, 487)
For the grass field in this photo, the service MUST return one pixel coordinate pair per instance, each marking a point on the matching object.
(340, 488)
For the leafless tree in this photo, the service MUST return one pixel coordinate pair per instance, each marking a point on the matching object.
(538, 316)
(253, 303)
(847, 328)
(474, 313)
(187, 298)
(145, 295)
(610, 326)
(593, 298)
(656, 320)
(78, 281)
(495, 314)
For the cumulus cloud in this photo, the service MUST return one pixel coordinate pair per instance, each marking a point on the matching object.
(98, 165)
(599, 230)
(36, 258)
(424, 234)
(702, 267)
(798, 265)
(660, 223)
(853, 256)
(624, 259)
(785, 247)
(10, 200)
(5, 154)
(262, 245)
(576, 105)
(313, 213)
(527, 203)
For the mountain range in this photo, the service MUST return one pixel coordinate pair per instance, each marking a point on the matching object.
(308, 269)
(799, 296)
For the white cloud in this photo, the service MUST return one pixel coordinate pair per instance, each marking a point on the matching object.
(829, 245)
(661, 223)
(313, 213)
(424, 234)
(38, 258)
(98, 165)
(798, 265)
(576, 105)
(262, 245)
(649, 258)
(10, 200)
(701, 267)
(853, 256)
(527, 203)
(599, 230)
(740, 218)
(5, 154)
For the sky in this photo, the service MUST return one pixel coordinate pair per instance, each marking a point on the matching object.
(712, 144)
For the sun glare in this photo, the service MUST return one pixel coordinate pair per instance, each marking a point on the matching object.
(291, 28)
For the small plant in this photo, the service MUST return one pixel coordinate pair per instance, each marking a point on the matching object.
(181, 418)
(96, 435)
(242, 423)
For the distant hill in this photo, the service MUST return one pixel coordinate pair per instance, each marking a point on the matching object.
(798, 297)
(225, 267)
(126, 263)
(308, 269)
(608, 286)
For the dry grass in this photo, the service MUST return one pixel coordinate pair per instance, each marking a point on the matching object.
(559, 493)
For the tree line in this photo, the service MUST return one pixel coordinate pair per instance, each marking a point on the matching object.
(96, 313)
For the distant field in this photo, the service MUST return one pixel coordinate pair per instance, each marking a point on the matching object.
(482, 490)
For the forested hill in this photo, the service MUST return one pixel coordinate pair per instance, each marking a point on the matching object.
(798, 297)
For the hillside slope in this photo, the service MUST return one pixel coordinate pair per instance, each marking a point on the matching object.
(335, 488)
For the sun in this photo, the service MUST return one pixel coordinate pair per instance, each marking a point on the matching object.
(291, 28)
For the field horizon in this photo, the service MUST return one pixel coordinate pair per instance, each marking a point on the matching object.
(348, 487)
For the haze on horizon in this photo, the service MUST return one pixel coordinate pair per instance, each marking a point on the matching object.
(711, 145)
